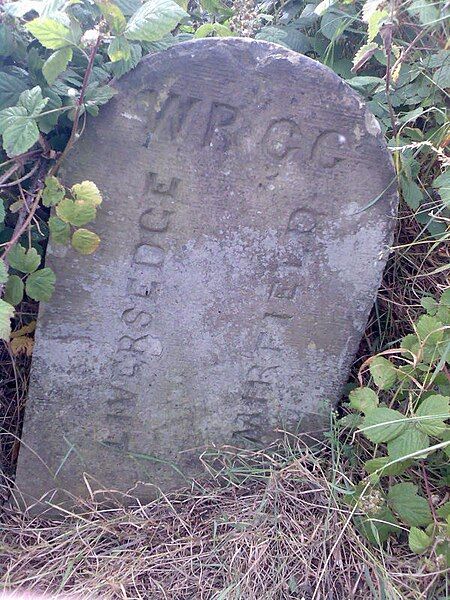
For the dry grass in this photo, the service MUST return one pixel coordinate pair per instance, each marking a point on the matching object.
(284, 534)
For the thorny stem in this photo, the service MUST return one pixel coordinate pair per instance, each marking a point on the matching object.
(76, 119)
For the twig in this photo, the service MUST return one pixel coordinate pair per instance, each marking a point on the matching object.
(24, 178)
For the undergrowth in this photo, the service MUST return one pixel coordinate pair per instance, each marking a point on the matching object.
(365, 514)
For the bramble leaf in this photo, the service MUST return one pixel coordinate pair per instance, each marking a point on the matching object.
(363, 399)
(409, 506)
(14, 290)
(53, 192)
(153, 20)
(418, 540)
(59, 230)
(410, 441)
(383, 372)
(85, 241)
(56, 64)
(40, 285)
(88, 192)
(6, 314)
(433, 406)
(3, 272)
(119, 49)
(383, 424)
(49, 32)
(76, 213)
(25, 261)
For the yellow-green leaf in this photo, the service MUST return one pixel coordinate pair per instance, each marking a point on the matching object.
(85, 241)
(383, 424)
(383, 372)
(418, 540)
(59, 230)
(76, 213)
(53, 192)
(6, 314)
(56, 64)
(87, 191)
(50, 33)
(363, 399)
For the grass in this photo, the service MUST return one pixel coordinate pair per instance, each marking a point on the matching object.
(267, 525)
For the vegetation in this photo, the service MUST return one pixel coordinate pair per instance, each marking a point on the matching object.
(376, 490)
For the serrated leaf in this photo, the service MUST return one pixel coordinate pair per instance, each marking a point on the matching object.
(383, 424)
(434, 406)
(323, 6)
(153, 20)
(418, 540)
(217, 29)
(19, 130)
(14, 290)
(119, 49)
(6, 314)
(411, 192)
(364, 54)
(40, 285)
(410, 441)
(3, 272)
(88, 192)
(49, 32)
(377, 528)
(409, 506)
(53, 192)
(376, 19)
(56, 64)
(2, 211)
(444, 510)
(22, 345)
(85, 241)
(10, 89)
(98, 95)
(383, 372)
(363, 399)
(429, 329)
(113, 15)
(382, 464)
(59, 230)
(25, 261)
(76, 212)
(429, 304)
(32, 101)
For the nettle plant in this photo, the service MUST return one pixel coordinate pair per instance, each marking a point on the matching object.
(403, 418)
(57, 58)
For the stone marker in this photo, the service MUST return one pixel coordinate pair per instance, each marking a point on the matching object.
(248, 204)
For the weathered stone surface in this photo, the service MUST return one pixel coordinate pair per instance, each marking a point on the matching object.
(237, 267)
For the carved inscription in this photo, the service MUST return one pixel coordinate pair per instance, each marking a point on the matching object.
(259, 387)
(136, 349)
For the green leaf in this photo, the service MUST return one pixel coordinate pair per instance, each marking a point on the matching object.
(19, 130)
(2, 211)
(377, 528)
(153, 20)
(364, 54)
(59, 230)
(425, 10)
(40, 285)
(76, 213)
(85, 241)
(53, 192)
(323, 6)
(88, 192)
(119, 49)
(3, 271)
(97, 96)
(14, 290)
(383, 372)
(363, 399)
(217, 29)
(444, 510)
(113, 15)
(25, 261)
(32, 101)
(56, 64)
(433, 406)
(10, 89)
(442, 182)
(49, 32)
(418, 540)
(410, 441)
(412, 194)
(381, 464)
(409, 506)
(430, 329)
(6, 314)
(429, 304)
(383, 424)
(375, 21)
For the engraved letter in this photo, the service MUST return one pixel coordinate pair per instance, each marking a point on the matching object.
(155, 219)
(221, 115)
(147, 254)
